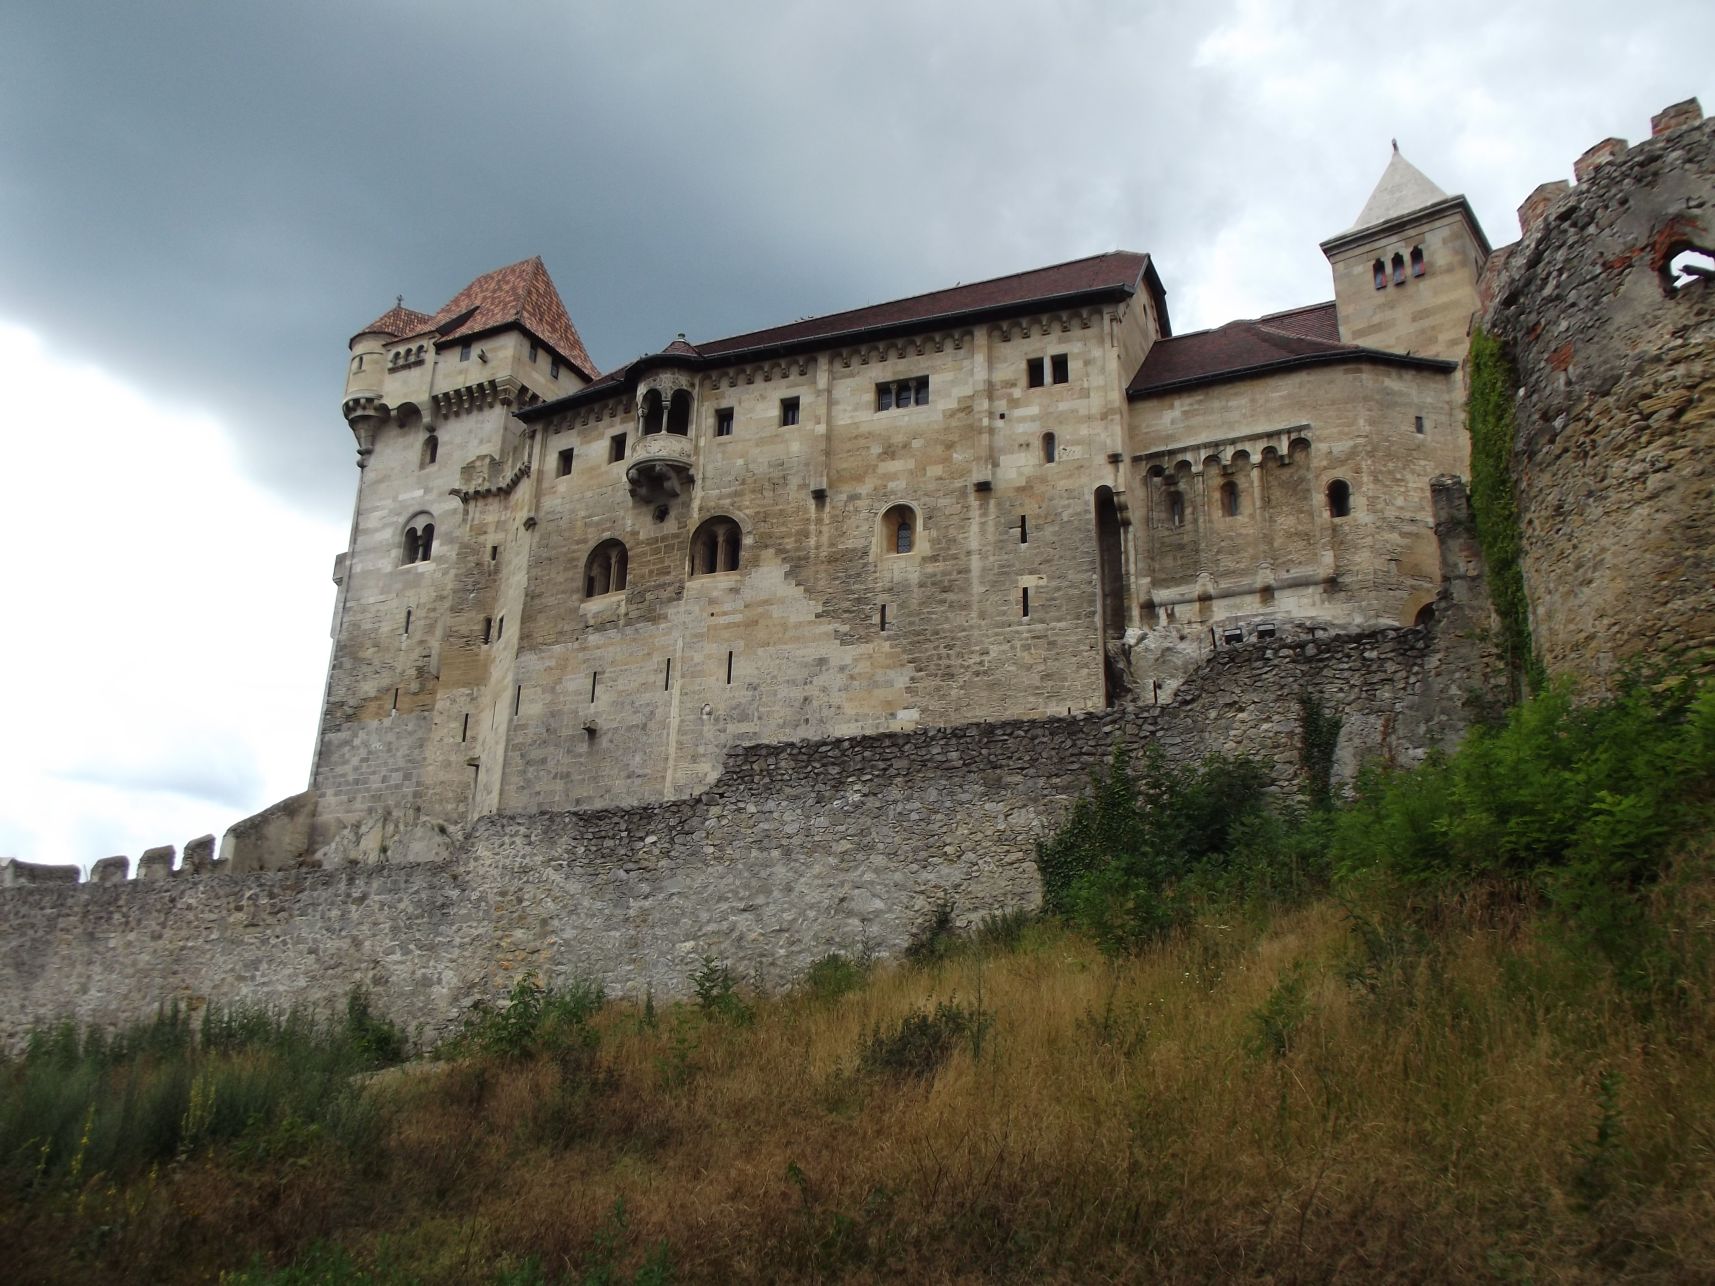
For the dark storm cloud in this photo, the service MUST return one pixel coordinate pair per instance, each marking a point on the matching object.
(208, 198)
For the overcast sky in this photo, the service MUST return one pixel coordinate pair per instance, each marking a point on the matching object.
(200, 202)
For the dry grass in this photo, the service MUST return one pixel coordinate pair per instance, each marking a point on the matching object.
(1229, 1105)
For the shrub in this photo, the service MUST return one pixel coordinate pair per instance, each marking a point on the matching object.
(534, 1020)
(716, 989)
(920, 1043)
(833, 976)
(936, 938)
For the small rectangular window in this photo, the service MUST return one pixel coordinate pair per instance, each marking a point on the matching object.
(884, 617)
(500, 629)
(788, 411)
(487, 628)
(532, 350)
(1033, 373)
(723, 422)
(1420, 424)
(616, 448)
(493, 553)
(464, 352)
(565, 466)
(884, 397)
(922, 386)
(1024, 602)
(554, 369)
(1062, 368)
(1023, 530)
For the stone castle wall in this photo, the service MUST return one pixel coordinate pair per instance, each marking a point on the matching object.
(797, 849)
(1614, 447)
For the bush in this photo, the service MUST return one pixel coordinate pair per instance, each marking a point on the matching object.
(833, 976)
(716, 989)
(535, 1020)
(936, 938)
(1138, 852)
(919, 1044)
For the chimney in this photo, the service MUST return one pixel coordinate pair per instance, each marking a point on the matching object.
(1537, 203)
(1596, 157)
(1676, 117)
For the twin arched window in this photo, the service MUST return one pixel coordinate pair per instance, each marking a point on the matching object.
(716, 547)
(899, 530)
(604, 570)
(419, 540)
(673, 414)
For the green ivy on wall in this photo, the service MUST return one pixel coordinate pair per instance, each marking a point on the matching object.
(1489, 417)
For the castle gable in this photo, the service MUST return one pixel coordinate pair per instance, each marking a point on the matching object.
(520, 293)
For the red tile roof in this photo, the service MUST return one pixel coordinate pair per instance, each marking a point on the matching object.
(1313, 321)
(399, 322)
(523, 293)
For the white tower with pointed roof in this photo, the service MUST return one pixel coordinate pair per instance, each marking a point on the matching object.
(1405, 272)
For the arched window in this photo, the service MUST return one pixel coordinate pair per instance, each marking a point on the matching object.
(1417, 261)
(716, 547)
(604, 570)
(1399, 270)
(1050, 450)
(679, 413)
(419, 541)
(899, 530)
(1230, 499)
(431, 449)
(1380, 270)
(652, 412)
(1339, 498)
(1176, 508)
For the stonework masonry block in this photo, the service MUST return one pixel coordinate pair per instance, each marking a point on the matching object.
(1536, 204)
(1596, 156)
(156, 863)
(1689, 112)
(111, 870)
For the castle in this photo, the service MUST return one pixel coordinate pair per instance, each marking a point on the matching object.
(834, 619)
(1013, 498)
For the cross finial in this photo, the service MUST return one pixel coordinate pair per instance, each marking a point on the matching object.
(399, 300)
(1396, 145)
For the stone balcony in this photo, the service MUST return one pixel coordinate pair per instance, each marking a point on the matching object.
(660, 467)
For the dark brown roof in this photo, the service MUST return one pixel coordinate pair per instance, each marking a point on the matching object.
(1297, 337)
(399, 322)
(1313, 321)
(1117, 269)
(521, 292)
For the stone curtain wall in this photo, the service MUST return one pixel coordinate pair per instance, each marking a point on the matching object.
(797, 850)
(1614, 447)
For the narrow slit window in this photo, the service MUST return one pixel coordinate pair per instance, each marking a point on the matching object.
(517, 698)
(1399, 270)
(1417, 261)
(431, 451)
(667, 682)
(593, 674)
(1061, 366)
(1024, 602)
(493, 553)
(532, 350)
(565, 465)
(1023, 530)
(1230, 499)
(554, 369)
(1175, 509)
(884, 618)
(1380, 270)
(407, 621)
(1418, 424)
(464, 352)
(395, 700)
(1033, 373)
(1050, 449)
(500, 629)
(487, 629)
(464, 729)
(729, 667)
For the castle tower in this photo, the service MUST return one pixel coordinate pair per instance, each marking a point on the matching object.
(432, 403)
(1405, 273)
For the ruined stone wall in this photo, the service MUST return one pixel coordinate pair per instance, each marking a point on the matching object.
(1614, 448)
(797, 849)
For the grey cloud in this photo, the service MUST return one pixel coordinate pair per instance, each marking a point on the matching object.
(208, 198)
